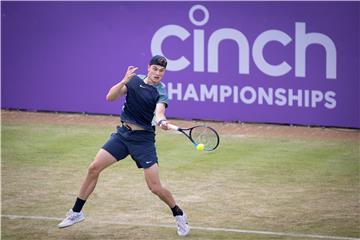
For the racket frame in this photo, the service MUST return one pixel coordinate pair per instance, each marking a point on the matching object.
(188, 135)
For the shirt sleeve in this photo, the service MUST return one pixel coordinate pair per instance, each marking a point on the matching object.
(163, 96)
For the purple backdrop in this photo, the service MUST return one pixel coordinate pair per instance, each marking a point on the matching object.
(275, 62)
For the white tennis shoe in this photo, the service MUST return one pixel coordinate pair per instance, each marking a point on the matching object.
(183, 227)
(71, 218)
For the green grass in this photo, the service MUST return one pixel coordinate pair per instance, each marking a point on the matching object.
(272, 184)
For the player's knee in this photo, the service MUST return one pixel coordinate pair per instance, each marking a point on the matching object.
(93, 170)
(155, 189)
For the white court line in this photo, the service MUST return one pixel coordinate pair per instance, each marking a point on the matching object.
(285, 234)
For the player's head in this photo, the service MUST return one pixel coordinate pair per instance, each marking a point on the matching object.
(156, 68)
(158, 60)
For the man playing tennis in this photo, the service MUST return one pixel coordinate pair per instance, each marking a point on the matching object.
(146, 100)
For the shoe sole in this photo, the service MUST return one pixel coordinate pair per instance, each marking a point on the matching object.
(71, 224)
(184, 235)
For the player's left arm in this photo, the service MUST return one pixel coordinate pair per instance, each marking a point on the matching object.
(160, 115)
(120, 88)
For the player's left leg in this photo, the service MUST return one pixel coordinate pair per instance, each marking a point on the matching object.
(152, 179)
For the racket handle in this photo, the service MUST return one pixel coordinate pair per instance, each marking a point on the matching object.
(172, 126)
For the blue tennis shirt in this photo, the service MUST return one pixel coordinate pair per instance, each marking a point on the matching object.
(140, 102)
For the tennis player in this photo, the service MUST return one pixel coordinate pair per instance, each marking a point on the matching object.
(146, 100)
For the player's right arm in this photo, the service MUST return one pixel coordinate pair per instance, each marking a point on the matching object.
(120, 88)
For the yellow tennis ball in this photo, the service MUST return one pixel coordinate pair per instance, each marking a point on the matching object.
(200, 147)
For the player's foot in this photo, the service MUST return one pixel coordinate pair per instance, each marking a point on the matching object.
(183, 228)
(71, 218)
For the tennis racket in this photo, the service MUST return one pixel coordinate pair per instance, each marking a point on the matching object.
(200, 134)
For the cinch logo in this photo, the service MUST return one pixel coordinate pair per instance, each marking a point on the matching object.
(302, 41)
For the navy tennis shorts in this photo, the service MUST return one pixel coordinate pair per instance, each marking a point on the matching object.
(140, 145)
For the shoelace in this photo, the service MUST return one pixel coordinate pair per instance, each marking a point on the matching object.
(181, 223)
(73, 217)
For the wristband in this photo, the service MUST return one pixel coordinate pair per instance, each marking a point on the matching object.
(162, 120)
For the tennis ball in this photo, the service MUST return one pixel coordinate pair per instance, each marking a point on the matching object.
(200, 147)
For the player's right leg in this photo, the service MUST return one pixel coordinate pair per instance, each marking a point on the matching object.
(102, 160)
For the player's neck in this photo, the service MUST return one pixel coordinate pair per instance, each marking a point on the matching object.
(148, 81)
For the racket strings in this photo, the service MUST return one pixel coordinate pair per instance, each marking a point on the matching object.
(206, 136)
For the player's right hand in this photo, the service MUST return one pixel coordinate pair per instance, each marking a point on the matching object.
(164, 125)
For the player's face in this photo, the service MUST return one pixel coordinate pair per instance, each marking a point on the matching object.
(155, 73)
